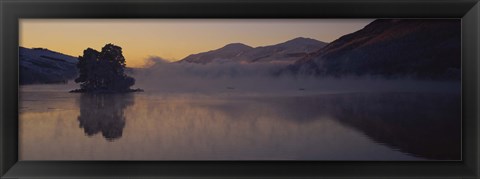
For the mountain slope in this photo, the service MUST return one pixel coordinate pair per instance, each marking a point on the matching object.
(288, 52)
(423, 48)
(45, 66)
(230, 51)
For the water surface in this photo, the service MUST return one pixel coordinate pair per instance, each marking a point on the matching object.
(56, 125)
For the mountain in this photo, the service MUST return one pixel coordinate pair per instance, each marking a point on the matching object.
(287, 52)
(230, 51)
(422, 48)
(38, 65)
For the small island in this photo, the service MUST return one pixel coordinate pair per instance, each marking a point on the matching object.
(103, 72)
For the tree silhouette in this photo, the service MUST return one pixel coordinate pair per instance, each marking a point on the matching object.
(103, 71)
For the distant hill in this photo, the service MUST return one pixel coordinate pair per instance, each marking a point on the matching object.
(40, 65)
(286, 52)
(228, 52)
(420, 48)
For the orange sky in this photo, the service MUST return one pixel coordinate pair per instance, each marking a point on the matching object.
(174, 39)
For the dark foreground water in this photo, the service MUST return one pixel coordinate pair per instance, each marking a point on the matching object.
(55, 125)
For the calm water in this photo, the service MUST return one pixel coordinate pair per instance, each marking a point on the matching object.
(56, 125)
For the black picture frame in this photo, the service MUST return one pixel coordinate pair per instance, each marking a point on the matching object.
(12, 10)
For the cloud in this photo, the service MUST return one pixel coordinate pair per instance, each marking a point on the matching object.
(153, 60)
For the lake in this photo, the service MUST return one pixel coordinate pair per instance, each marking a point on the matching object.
(228, 125)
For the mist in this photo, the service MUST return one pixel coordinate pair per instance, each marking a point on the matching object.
(251, 78)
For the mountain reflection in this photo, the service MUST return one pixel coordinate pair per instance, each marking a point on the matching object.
(426, 125)
(103, 113)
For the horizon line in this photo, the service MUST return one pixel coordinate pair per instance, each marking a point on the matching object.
(176, 60)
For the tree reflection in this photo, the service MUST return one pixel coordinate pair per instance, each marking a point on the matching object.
(104, 113)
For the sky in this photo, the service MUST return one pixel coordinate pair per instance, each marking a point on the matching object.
(174, 39)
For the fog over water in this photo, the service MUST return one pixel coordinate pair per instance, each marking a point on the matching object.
(235, 111)
(262, 78)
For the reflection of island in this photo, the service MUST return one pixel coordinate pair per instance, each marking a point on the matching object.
(103, 113)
